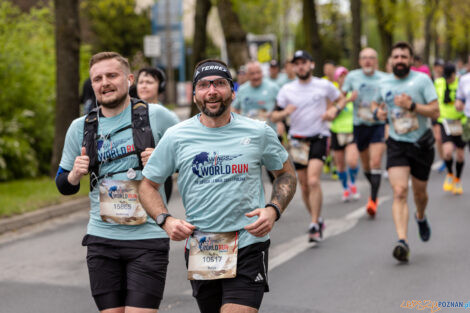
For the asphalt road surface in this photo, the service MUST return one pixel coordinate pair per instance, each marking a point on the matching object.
(43, 267)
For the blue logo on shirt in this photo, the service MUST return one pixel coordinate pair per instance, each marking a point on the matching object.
(204, 165)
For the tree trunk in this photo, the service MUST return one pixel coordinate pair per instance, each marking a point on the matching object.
(312, 34)
(384, 19)
(67, 32)
(356, 32)
(430, 7)
(409, 23)
(448, 36)
(235, 36)
(200, 37)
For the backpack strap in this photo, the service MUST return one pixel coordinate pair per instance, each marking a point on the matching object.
(90, 131)
(141, 130)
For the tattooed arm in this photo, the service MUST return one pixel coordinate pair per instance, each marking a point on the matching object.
(284, 186)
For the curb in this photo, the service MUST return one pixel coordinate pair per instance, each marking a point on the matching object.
(41, 215)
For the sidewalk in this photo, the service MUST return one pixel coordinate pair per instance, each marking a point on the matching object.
(19, 221)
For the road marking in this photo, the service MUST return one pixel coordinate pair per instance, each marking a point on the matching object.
(288, 250)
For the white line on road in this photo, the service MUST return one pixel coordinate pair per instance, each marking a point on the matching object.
(288, 250)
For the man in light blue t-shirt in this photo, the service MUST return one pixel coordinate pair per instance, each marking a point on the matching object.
(363, 83)
(256, 98)
(219, 155)
(127, 253)
(408, 100)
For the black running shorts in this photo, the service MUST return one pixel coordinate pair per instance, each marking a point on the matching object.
(419, 160)
(247, 288)
(456, 140)
(318, 149)
(127, 272)
(365, 135)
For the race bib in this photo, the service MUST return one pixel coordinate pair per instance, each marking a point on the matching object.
(260, 115)
(344, 139)
(452, 127)
(119, 202)
(404, 121)
(364, 113)
(212, 255)
(299, 150)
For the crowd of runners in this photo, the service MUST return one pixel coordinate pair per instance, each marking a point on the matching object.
(286, 121)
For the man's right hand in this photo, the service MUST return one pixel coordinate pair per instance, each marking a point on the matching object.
(80, 168)
(178, 229)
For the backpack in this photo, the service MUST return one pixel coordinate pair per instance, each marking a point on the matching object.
(141, 133)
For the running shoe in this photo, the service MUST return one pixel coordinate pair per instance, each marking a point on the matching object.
(401, 252)
(354, 193)
(321, 224)
(314, 234)
(442, 168)
(457, 188)
(424, 228)
(448, 183)
(372, 207)
(346, 196)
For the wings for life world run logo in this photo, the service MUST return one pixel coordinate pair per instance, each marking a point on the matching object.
(205, 165)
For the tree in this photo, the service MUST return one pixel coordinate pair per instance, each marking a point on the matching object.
(200, 37)
(235, 36)
(67, 33)
(356, 32)
(430, 8)
(384, 12)
(313, 42)
(116, 25)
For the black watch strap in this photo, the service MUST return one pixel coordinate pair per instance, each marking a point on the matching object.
(161, 219)
(276, 207)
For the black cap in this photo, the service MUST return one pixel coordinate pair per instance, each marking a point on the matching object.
(302, 54)
(273, 63)
(449, 69)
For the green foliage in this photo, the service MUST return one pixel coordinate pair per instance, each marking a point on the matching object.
(28, 90)
(27, 77)
(116, 25)
(26, 195)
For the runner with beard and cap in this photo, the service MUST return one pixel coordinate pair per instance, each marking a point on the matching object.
(363, 83)
(127, 253)
(310, 104)
(219, 156)
(408, 100)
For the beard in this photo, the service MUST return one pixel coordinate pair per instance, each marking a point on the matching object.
(401, 72)
(303, 77)
(368, 70)
(114, 103)
(224, 104)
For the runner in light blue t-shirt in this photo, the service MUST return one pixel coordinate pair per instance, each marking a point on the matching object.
(219, 155)
(362, 84)
(408, 100)
(127, 253)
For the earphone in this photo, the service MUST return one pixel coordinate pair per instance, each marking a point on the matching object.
(128, 83)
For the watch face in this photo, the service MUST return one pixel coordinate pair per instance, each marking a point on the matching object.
(161, 219)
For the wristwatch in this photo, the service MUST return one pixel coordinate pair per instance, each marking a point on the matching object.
(161, 219)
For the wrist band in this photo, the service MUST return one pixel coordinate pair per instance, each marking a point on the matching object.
(276, 207)
(412, 106)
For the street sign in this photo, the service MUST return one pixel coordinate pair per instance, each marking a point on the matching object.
(152, 46)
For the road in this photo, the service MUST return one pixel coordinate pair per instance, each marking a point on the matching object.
(43, 267)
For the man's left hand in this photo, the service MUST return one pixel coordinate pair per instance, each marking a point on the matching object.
(145, 155)
(403, 101)
(265, 222)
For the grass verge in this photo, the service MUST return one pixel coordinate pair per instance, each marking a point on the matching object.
(25, 195)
